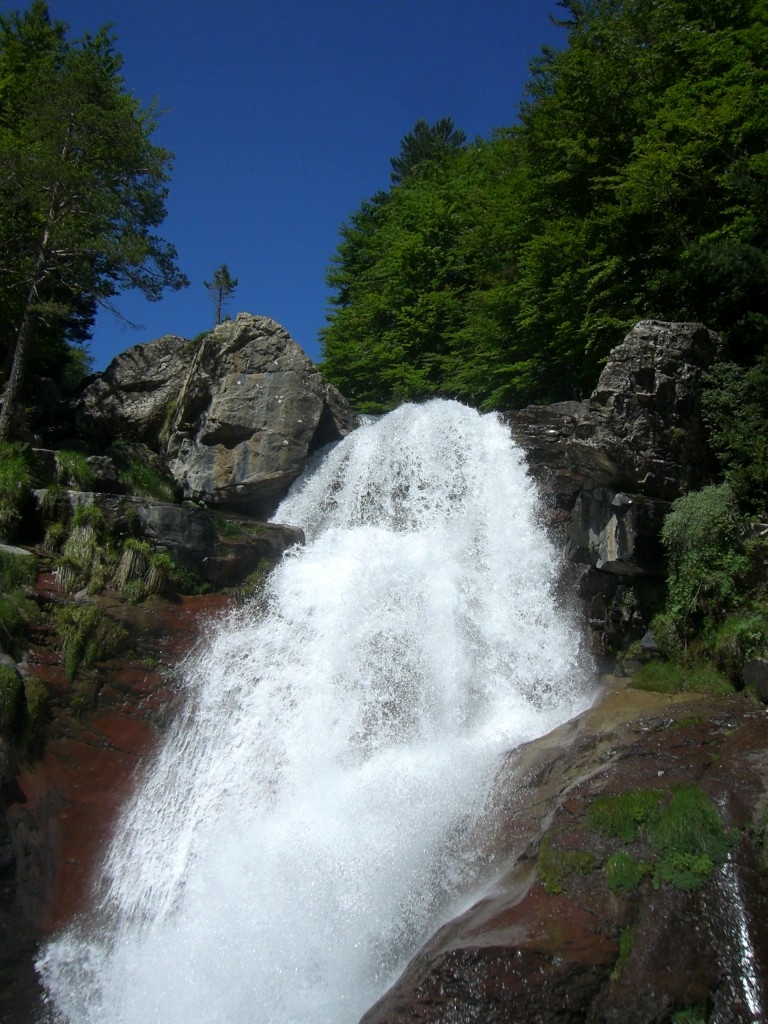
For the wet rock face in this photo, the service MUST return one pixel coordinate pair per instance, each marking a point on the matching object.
(551, 940)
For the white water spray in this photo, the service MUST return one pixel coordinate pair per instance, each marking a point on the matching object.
(315, 811)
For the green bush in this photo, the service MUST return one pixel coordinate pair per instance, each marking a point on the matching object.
(707, 569)
(16, 571)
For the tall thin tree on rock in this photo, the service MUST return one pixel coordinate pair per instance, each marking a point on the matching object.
(221, 288)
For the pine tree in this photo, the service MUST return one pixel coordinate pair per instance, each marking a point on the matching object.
(81, 188)
(221, 288)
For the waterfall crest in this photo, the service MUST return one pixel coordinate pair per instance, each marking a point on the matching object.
(313, 813)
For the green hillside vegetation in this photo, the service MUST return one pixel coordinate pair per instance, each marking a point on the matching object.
(634, 186)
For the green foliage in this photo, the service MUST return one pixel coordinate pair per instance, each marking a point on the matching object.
(18, 613)
(634, 186)
(627, 938)
(11, 700)
(37, 700)
(142, 480)
(690, 1015)
(72, 469)
(623, 873)
(16, 571)
(736, 416)
(86, 636)
(707, 569)
(15, 482)
(626, 815)
(554, 865)
(221, 288)
(689, 839)
(82, 191)
(670, 677)
(683, 829)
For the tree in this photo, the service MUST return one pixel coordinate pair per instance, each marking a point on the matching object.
(221, 287)
(426, 144)
(81, 188)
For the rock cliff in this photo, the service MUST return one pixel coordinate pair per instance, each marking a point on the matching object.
(608, 468)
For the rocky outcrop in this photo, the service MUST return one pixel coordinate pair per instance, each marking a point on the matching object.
(553, 937)
(608, 467)
(252, 409)
(222, 550)
(234, 415)
(135, 396)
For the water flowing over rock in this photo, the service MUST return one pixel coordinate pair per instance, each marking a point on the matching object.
(316, 810)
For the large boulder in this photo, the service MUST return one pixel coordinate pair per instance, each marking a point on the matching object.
(134, 398)
(252, 409)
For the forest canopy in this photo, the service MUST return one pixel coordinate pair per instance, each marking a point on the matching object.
(634, 185)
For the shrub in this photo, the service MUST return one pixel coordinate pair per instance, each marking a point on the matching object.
(706, 567)
(16, 571)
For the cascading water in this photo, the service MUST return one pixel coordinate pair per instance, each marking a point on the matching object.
(315, 811)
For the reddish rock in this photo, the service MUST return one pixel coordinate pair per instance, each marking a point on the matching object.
(587, 955)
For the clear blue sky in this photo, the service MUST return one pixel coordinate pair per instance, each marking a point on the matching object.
(283, 115)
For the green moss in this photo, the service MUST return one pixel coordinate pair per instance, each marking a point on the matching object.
(627, 938)
(689, 839)
(625, 815)
(624, 873)
(669, 677)
(684, 831)
(554, 865)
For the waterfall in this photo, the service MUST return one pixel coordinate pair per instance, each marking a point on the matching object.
(316, 809)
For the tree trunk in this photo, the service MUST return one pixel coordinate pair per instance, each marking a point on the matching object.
(23, 342)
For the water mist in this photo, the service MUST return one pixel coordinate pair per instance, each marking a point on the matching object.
(315, 810)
